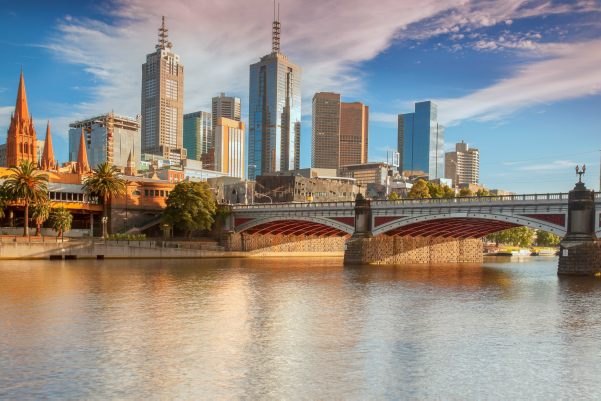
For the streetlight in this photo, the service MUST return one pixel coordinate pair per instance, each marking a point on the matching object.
(165, 231)
(104, 220)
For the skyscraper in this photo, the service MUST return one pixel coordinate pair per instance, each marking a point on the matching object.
(325, 144)
(421, 142)
(108, 138)
(463, 165)
(274, 112)
(339, 132)
(225, 106)
(229, 147)
(163, 101)
(353, 133)
(21, 140)
(198, 134)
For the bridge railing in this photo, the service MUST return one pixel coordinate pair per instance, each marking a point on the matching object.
(297, 205)
(474, 199)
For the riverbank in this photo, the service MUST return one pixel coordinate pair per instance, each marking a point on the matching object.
(94, 249)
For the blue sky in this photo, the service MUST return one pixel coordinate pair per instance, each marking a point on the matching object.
(520, 80)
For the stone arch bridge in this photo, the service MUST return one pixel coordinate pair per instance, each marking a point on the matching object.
(400, 231)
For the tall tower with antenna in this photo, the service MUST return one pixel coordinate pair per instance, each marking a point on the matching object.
(163, 101)
(274, 110)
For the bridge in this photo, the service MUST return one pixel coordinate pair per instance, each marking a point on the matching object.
(400, 231)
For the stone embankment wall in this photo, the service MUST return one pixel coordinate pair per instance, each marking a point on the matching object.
(278, 243)
(412, 250)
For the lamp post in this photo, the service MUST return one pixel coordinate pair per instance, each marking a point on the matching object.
(104, 220)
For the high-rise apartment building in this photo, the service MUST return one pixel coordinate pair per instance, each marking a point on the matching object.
(339, 132)
(274, 112)
(229, 147)
(353, 133)
(108, 138)
(463, 165)
(198, 134)
(325, 144)
(225, 106)
(21, 140)
(163, 101)
(421, 142)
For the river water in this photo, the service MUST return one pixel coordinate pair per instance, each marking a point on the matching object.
(296, 329)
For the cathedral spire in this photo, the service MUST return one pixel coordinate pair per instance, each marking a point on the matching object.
(48, 161)
(83, 166)
(21, 108)
(163, 36)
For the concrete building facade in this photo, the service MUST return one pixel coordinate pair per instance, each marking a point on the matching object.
(225, 106)
(463, 165)
(339, 132)
(297, 188)
(163, 101)
(229, 147)
(109, 138)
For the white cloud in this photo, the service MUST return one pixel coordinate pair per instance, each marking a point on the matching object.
(569, 71)
(218, 40)
(555, 165)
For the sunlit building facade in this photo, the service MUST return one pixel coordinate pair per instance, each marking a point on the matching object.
(463, 165)
(274, 112)
(421, 142)
(229, 147)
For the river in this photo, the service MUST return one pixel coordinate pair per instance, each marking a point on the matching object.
(296, 329)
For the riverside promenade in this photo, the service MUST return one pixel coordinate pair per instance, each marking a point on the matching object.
(15, 248)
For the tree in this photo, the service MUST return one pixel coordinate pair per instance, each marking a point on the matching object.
(483, 192)
(435, 190)
(60, 220)
(104, 183)
(3, 201)
(393, 196)
(517, 236)
(419, 190)
(191, 207)
(40, 213)
(465, 192)
(448, 192)
(545, 238)
(26, 184)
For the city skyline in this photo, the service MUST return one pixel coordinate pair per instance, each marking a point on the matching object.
(498, 102)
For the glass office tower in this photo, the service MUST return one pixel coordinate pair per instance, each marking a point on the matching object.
(274, 112)
(198, 134)
(421, 142)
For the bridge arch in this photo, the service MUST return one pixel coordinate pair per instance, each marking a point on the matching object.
(462, 225)
(296, 225)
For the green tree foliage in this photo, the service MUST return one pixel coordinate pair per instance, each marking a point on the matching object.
(465, 192)
(435, 190)
(105, 183)
(483, 192)
(28, 185)
(393, 196)
(419, 190)
(545, 238)
(60, 220)
(40, 213)
(190, 207)
(517, 236)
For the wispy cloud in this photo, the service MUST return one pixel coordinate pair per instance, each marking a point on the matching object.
(569, 71)
(330, 39)
(555, 165)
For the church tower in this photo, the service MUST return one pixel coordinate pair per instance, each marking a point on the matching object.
(21, 141)
(48, 161)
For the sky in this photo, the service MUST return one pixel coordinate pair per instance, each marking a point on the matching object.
(519, 80)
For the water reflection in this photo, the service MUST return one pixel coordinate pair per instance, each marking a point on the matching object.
(295, 328)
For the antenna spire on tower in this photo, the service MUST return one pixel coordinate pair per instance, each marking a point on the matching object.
(163, 35)
(275, 31)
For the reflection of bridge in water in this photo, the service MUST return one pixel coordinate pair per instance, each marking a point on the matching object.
(407, 227)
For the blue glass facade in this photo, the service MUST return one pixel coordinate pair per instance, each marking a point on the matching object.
(198, 134)
(274, 115)
(421, 142)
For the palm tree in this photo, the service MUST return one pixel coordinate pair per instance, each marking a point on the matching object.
(105, 183)
(60, 220)
(26, 184)
(3, 201)
(40, 213)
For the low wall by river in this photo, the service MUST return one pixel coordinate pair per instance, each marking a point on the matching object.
(267, 244)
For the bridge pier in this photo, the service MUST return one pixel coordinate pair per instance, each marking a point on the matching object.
(580, 252)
